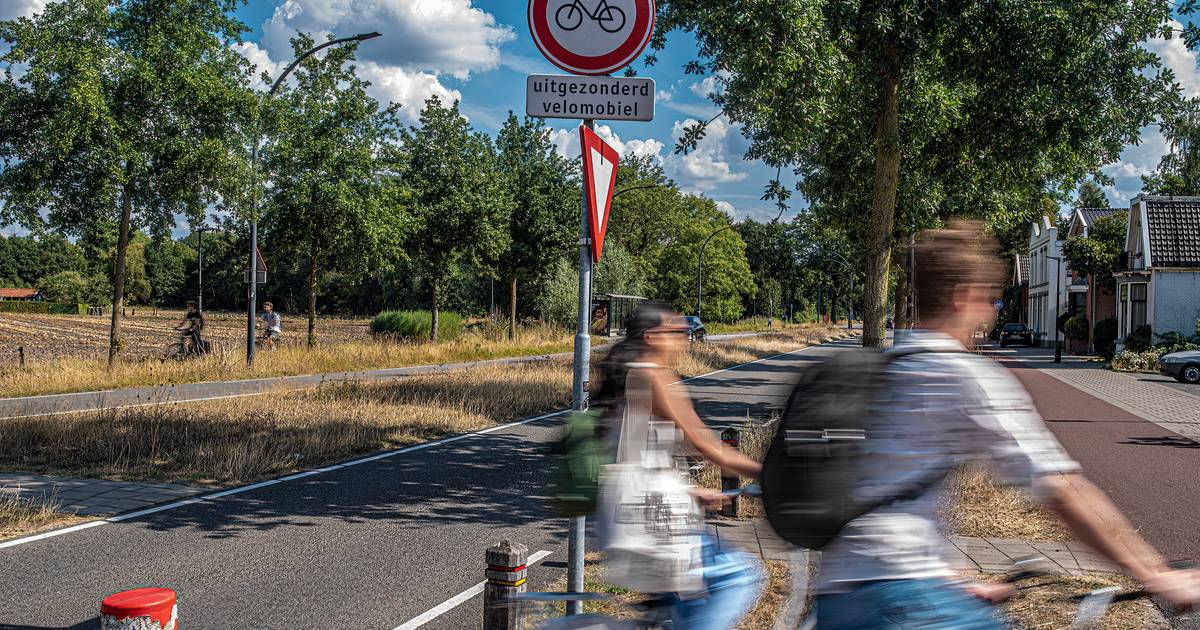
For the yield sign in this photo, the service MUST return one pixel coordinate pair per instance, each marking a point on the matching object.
(599, 178)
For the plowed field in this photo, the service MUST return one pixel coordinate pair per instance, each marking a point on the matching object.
(146, 334)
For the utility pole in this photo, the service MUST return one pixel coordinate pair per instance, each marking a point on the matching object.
(1057, 300)
(200, 265)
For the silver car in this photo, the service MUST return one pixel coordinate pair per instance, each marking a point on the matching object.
(1181, 366)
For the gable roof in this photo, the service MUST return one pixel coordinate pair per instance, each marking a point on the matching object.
(18, 294)
(1173, 226)
(1022, 268)
(1089, 215)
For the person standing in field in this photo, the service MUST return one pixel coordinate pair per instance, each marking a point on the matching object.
(273, 324)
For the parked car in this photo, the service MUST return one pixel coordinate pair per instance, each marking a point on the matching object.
(1181, 366)
(695, 326)
(1015, 333)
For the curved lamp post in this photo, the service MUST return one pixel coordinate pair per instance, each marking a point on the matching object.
(700, 269)
(252, 301)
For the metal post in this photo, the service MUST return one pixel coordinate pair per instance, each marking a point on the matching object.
(850, 303)
(579, 391)
(1057, 300)
(700, 269)
(252, 290)
(200, 272)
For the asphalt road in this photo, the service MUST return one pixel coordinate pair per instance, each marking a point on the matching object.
(368, 546)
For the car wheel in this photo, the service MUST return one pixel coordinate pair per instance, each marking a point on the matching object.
(691, 337)
(1190, 374)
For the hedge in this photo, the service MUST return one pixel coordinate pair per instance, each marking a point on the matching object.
(42, 308)
(416, 325)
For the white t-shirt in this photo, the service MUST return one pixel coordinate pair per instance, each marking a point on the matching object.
(943, 407)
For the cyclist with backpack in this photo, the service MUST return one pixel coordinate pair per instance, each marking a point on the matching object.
(191, 329)
(647, 511)
(868, 438)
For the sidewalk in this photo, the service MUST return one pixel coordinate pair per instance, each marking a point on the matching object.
(1170, 405)
(93, 497)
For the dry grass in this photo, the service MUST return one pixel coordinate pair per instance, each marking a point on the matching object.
(24, 515)
(1046, 605)
(975, 505)
(227, 362)
(707, 357)
(244, 439)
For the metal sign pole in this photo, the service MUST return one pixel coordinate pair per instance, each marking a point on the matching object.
(579, 390)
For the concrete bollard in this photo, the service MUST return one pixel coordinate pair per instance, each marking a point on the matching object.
(732, 437)
(140, 609)
(506, 574)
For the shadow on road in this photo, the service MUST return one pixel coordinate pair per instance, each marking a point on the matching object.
(90, 624)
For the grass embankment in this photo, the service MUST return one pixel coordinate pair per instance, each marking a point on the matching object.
(240, 440)
(229, 362)
(22, 515)
(759, 324)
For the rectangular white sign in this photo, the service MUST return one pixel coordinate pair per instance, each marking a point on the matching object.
(601, 98)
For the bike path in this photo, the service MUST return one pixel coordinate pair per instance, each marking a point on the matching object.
(372, 545)
(80, 402)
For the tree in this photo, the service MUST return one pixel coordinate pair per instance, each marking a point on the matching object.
(1179, 170)
(127, 111)
(879, 106)
(333, 203)
(458, 207)
(168, 267)
(1091, 196)
(1096, 254)
(727, 281)
(544, 193)
(70, 287)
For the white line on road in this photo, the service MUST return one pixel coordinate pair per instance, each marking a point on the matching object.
(262, 484)
(454, 602)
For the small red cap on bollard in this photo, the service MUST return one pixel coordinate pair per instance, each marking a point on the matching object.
(156, 603)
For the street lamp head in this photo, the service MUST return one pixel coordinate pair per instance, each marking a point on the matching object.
(362, 37)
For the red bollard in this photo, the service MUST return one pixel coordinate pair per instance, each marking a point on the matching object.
(140, 609)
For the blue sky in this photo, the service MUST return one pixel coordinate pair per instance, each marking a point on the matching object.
(480, 51)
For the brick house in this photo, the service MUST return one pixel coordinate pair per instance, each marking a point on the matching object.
(1158, 282)
(1083, 292)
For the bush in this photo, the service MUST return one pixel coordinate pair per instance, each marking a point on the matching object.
(1177, 342)
(1127, 361)
(43, 308)
(416, 325)
(1140, 339)
(1105, 337)
(1077, 327)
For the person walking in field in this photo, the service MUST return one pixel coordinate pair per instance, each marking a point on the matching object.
(273, 325)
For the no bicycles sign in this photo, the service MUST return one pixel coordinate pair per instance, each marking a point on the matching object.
(591, 37)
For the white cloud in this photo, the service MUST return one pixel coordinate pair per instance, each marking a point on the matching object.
(566, 142)
(709, 165)
(262, 63)
(727, 208)
(12, 9)
(712, 84)
(422, 41)
(1176, 56)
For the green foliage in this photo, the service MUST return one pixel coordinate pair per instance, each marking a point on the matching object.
(1090, 195)
(65, 286)
(1077, 327)
(558, 302)
(727, 278)
(416, 325)
(1097, 253)
(168, 267)
(43, 308)
(1140, 339)
(1104, 335)
(1177, 342)
(619, 272)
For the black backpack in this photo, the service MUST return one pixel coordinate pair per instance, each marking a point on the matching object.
(815, 463)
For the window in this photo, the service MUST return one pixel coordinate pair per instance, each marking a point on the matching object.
(1124, 311)
(1137, 306)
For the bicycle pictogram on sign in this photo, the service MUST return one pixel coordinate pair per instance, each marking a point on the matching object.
(609, 18)
(591, 37)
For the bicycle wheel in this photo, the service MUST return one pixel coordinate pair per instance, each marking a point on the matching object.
(611, 19)
(571, 19)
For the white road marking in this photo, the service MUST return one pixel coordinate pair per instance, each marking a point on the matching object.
(454, 602)
(262, 484)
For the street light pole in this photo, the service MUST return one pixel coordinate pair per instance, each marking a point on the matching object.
(200, 265)
(251, 293)
(1057, 292)
(700, 269)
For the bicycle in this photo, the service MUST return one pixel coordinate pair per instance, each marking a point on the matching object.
(190, 345)
(570, 16)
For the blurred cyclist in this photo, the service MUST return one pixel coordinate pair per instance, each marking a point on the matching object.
(650, 424)
(943, 407)
(190, 329)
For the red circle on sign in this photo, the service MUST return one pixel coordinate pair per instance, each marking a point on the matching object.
(619, 57)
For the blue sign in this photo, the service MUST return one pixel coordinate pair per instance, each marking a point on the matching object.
(999, 304)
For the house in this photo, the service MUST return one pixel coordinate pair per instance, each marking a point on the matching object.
(1046, 281)
(1084, 293)
(1020, 310)
(21, 295)
(1158, 281)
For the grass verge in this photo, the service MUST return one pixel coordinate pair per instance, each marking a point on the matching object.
(24, 515)
(1047, 606)
(229, 363)
(976, 505)
(234, 441)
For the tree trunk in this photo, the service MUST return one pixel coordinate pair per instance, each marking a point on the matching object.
(114, 335)
(512, 306)
(434, 281)
(883, 205)
(312, 303)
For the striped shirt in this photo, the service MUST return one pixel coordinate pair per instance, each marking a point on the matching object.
(942, 407)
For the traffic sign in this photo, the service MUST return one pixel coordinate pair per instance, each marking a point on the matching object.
(599, 178)
(604, 98)
(999, 304)
(591, 37)
(260, 269)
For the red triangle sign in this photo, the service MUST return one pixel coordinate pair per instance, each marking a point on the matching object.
(599, 178)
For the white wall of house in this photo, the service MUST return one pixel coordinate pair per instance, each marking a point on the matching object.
(1047, 284)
